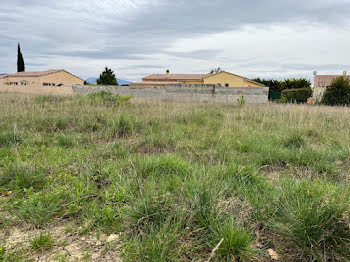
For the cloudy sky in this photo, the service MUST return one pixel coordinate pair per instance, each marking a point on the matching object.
(254, 38)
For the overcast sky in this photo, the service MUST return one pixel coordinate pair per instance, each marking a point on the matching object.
(254, 38)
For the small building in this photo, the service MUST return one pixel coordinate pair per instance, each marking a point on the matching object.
(222, 78)
(44, 78)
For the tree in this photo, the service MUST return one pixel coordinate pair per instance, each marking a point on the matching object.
(107, 77)
(20, 60)
(215, 71)
(338, 93)
(275, 85)
(295, 83)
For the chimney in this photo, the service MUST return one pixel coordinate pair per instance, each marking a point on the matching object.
(344, 73)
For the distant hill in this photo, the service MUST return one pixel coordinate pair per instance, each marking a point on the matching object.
(92, 80)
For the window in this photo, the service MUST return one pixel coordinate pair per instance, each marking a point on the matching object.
(227, 85)
(49, 84)
(23, 83)
(219, 84)
(14, 83)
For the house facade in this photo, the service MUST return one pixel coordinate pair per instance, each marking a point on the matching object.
(223, 78)
(44, 78)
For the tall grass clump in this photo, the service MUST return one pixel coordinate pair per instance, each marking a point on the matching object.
(312, 216)
(10, 138)
(107, 98)
(237, 243)
(42, 242)
(22, 176)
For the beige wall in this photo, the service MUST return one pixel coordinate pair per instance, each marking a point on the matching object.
(227, 78)
(38, 90)
(147, 85)
(62, 77)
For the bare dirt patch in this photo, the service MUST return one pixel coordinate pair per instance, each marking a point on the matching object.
(68, 245)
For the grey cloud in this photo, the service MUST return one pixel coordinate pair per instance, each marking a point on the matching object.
(313, 67)
(49, 28)
(199, 54)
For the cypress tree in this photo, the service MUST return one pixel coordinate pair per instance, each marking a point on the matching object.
(20, 60)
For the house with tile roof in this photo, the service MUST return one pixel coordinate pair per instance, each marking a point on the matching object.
(321, 82)
(326, 80)
(222, 78)
(55, 77)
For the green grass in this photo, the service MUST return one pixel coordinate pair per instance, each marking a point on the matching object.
(176, 179)
(42, 242)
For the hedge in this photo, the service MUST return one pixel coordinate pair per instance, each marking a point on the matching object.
(297, 95)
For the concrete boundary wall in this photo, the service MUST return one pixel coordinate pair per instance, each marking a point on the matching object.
(188, 92)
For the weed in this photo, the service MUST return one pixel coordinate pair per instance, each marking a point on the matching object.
(241, 101)
(42, 242)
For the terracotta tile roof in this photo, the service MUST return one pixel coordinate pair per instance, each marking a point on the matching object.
(177, 77)
(326, 80)
(35, 74)
(152, 83)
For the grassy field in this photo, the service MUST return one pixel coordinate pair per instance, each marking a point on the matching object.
(156, 181)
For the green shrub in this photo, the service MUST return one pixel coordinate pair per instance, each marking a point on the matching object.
(338, 93)
(297, 95)
(107, 98)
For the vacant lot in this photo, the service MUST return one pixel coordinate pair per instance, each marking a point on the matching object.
(104, 179)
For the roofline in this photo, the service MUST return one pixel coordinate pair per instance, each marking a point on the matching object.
(73, 75)
(246, 79)
(150, 77)
(49, 73)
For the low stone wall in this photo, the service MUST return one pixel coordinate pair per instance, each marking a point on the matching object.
(189, 92)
